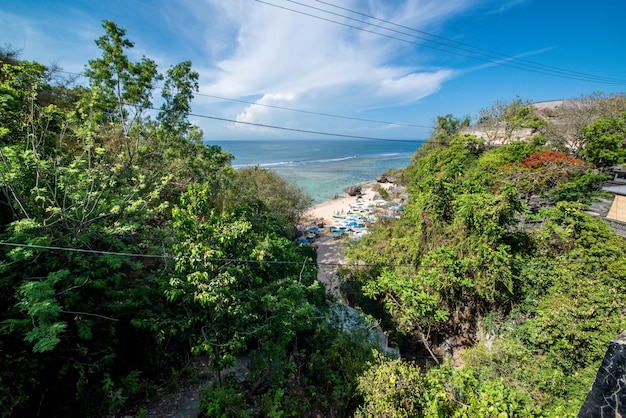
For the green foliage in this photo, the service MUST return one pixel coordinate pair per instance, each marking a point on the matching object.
(125, 86)
(178, 89)
(447, 127)
(266, 192)
(37, 299)
(456, 263)
(395, 388)
(605, 141)
(580, 188)
(580, 313)
(271, 311)
(84, 173)
(391, 388)
(225, 400)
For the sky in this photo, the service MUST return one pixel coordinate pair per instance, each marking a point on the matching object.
(364, 68)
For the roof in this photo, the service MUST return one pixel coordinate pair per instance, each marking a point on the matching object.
(619, 190)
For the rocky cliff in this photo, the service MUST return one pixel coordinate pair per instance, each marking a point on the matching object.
(607, 397)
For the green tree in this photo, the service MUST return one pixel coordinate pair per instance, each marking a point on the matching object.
(446, 128)
(268, 193)
(499, 121)
(396, 388)
(78, 325)
(564, 127)
(605, 141)
(180, 84)
(125, 87)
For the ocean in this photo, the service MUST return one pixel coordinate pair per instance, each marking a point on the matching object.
(322, 168)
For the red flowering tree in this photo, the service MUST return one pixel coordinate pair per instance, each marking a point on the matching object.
(541, 172)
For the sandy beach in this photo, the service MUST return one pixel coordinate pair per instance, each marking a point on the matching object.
(330, 250)
(341, 205)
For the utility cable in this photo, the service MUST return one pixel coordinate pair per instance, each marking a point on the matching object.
(283, 128)
(212, 259)
(314, 113)
(484, 51)
(330, 115)
(506, 62)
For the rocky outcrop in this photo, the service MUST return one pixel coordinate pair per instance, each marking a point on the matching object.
(607, 397)
(354, 190)
(383, 178)
(360, 327)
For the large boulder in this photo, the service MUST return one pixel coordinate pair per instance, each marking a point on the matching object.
(354, 190)
(607, 397)
(384, 178)
(360, 327)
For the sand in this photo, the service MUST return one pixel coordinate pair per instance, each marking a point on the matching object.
(339, 206)
(330, 254)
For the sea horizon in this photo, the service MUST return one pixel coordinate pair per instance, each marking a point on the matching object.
(321, 168)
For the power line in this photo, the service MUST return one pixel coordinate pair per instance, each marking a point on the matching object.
(307, 131)
(303, 130)
(315, 113)
(290, 109)
(173, 257)
(489, 52)
(503, 60)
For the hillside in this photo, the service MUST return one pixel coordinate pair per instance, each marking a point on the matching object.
(528, 312)
(132, 256)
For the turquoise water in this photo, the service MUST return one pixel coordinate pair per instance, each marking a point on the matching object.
(325, 167)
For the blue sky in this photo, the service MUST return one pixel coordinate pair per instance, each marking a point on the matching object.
(269, 57)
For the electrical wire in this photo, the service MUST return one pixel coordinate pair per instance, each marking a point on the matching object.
(487, 51)
(283, 128)
(502, 59)
(212, 259)
(330, 115)
(314, 113)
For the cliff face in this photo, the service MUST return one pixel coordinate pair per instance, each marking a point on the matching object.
(607, 397)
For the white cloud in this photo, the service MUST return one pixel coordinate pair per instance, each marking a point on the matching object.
(413, 86)
(291, 60)
(253, 51)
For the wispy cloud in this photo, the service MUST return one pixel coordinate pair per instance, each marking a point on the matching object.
(261, 52)
(294, 60)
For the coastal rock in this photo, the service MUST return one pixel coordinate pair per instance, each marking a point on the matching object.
(607, 397)
(383, 178)
(359, 326)
(354, 190)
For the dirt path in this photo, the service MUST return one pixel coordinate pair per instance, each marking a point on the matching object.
(329, 256)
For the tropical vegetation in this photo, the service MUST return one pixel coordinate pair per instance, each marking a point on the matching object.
(495, 266)
(129, 247)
